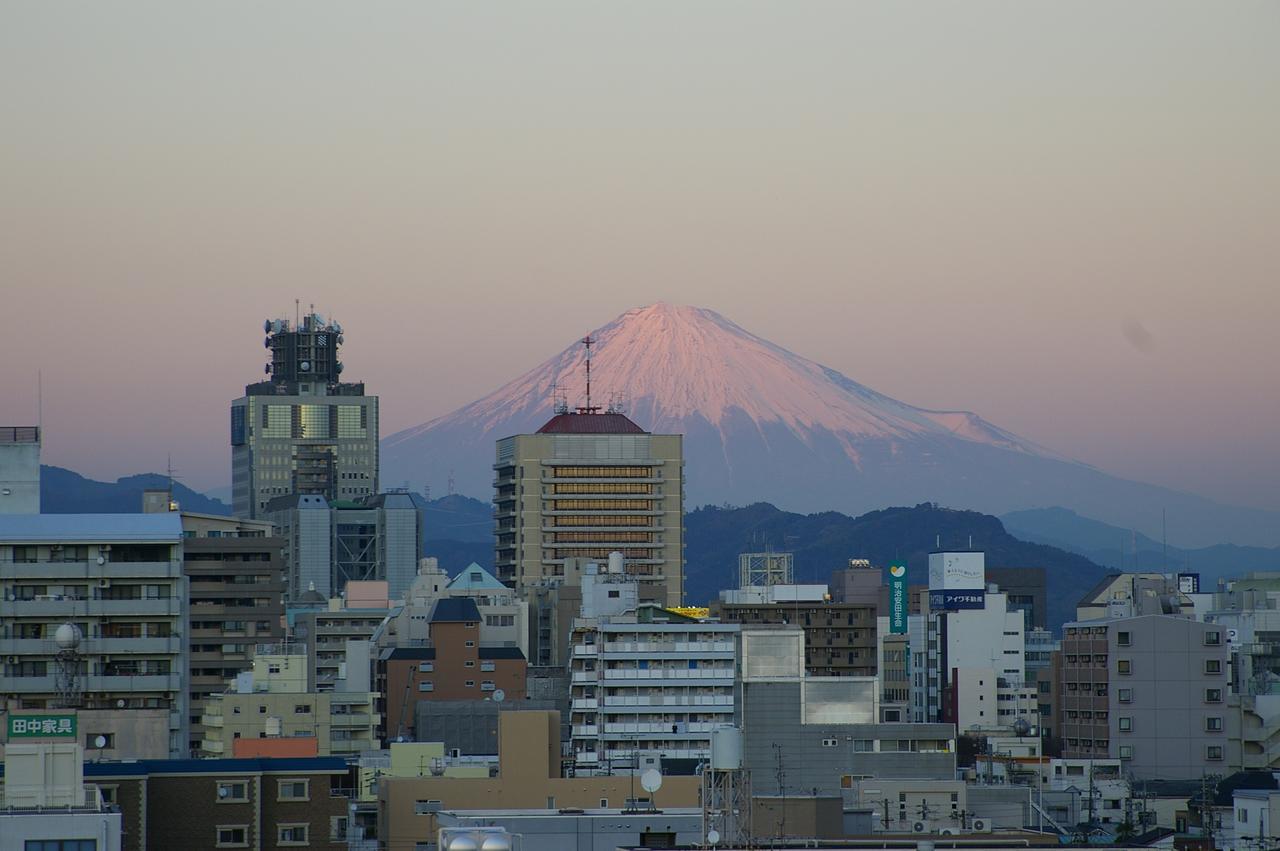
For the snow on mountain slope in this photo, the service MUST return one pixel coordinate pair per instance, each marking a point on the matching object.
(761, 423)
(685, 362)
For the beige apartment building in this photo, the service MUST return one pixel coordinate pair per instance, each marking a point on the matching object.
(273, 702)
(529, 778)
(588, 484)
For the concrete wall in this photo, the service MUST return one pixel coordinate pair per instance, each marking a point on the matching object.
(16, 830)
(816, 756)
(19, 470)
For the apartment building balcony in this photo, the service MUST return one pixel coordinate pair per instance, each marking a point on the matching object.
(90, 571)
(697, 729)
(350, 720)
(586, 676)
(694, 649)
(647, 702)
(680, 674)
(586, 649)
(583, 704)
(131, 683)
(583, 730)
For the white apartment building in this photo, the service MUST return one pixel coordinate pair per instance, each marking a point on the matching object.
(640, 684)
(118, 580)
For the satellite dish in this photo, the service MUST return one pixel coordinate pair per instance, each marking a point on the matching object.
(266, 342)
(100, 742)
(120, 703)
(267, 369)
(305, 366)
(499, 696)
(266, 326)
(223, 791)
(651, 780)
(102, 559)
(713, 837)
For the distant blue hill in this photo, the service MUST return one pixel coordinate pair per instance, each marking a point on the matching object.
(65, 492)
(1124, 549)
(823, 542)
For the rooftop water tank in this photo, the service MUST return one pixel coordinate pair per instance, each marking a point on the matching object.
(726, 748)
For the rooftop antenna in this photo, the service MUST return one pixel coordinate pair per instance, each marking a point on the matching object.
(40, 402)
(587, 409)
(452, 483)
(1164, 541)
(297, 313)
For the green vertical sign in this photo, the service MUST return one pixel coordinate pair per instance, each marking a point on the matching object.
(42, 727)
(897, 598)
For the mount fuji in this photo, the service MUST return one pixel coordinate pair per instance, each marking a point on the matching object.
(761, 423)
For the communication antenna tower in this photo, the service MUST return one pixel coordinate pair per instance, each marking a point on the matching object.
(67, 665)
(587, 409)
(452, 484)
(559, 402)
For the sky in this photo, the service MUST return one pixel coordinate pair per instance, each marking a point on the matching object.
(1063, 216)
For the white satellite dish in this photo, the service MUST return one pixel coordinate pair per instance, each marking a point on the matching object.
(713, 837)
(499, 696)
(651, 780)
(100, 742)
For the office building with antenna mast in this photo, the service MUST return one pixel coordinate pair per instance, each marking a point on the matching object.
(588, 483)
(302, 430)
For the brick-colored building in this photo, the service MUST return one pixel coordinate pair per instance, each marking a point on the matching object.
(198, 804)
(453, 666)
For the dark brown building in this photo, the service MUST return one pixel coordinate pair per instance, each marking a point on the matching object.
(235, 574)
(839, 638)
(197, 804)
(452, 666)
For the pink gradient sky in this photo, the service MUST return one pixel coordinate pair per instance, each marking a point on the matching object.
(1065, 217)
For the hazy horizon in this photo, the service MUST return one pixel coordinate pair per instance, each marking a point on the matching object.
(1060, 217)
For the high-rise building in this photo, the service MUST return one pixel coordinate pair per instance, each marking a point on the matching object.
(329, 543)
(1149, 690)
(94, 613)
(585, 485)
(236, 577)
(19, 470)
(302, 430)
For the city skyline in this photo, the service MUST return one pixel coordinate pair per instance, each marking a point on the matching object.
(1027, 216)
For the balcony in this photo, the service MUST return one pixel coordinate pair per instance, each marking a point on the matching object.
(82, 572)
(585, 649)
(171, 645)
(582, 730)
(351, 720)
(582, 704)
(586, 676)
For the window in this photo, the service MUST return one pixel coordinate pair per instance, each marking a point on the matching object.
(60, 845)
(302, 709)
(233, 792)
(1124, 639)
(337, 828)
(471, 643)
(1213, 752)
(426, 685)
(292, 834)
(422, 808)
(1213, 695)
(426, 667)
(1124, 666)
(1125, 695)
(1213, 724)
(233, 836)
(1212, 638)
(1126, 724)
(1213, 666)
(470, 683)
(1242, 816)
(470, 663)
(294, 790)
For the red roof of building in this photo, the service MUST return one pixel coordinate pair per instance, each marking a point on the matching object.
(607, 423)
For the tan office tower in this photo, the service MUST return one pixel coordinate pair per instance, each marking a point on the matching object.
(585, 485)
